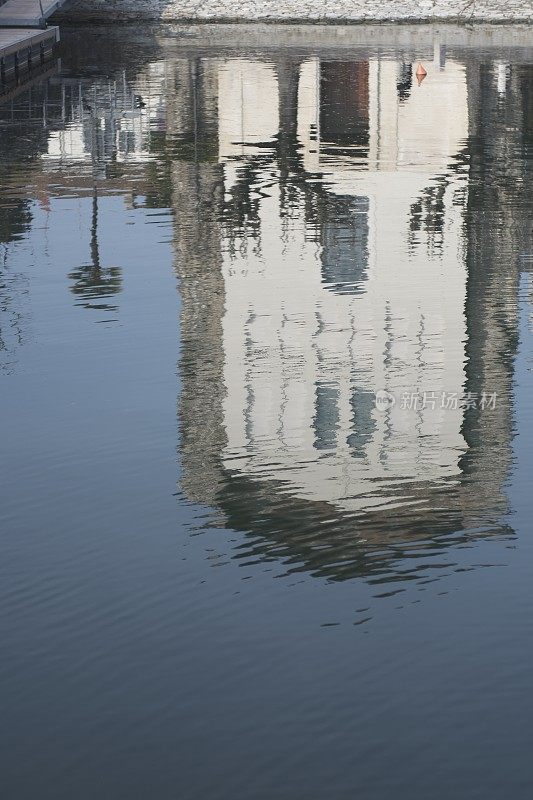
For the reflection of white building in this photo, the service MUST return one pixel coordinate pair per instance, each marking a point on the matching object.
(68, 144)
(109, 119)
(314, 325)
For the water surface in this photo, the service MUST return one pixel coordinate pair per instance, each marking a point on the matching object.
(265, 365)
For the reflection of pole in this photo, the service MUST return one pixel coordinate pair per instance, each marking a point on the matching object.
(95, 256)
(195, 74)
(195, 77)
(45, 104)
(318, 100)
(287, 73)
(439, 53)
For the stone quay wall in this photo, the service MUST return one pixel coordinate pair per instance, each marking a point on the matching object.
(357, 11)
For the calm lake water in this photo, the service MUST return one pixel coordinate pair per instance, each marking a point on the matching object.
(266, 315)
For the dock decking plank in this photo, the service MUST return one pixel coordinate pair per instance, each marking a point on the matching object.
(27, 13)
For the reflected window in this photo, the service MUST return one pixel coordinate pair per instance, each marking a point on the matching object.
(326, 419)
(344, 236)
(404, 81)
(344, 103)
(364, 424)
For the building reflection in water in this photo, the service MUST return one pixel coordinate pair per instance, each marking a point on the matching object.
(338, 230)
(354, 234)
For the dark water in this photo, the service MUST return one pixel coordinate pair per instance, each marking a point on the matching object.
(227, 572)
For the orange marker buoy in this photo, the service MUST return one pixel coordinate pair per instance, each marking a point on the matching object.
(420, 73)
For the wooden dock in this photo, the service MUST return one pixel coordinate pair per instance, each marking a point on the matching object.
(9, 92)
(22, 49)
(27, 13)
